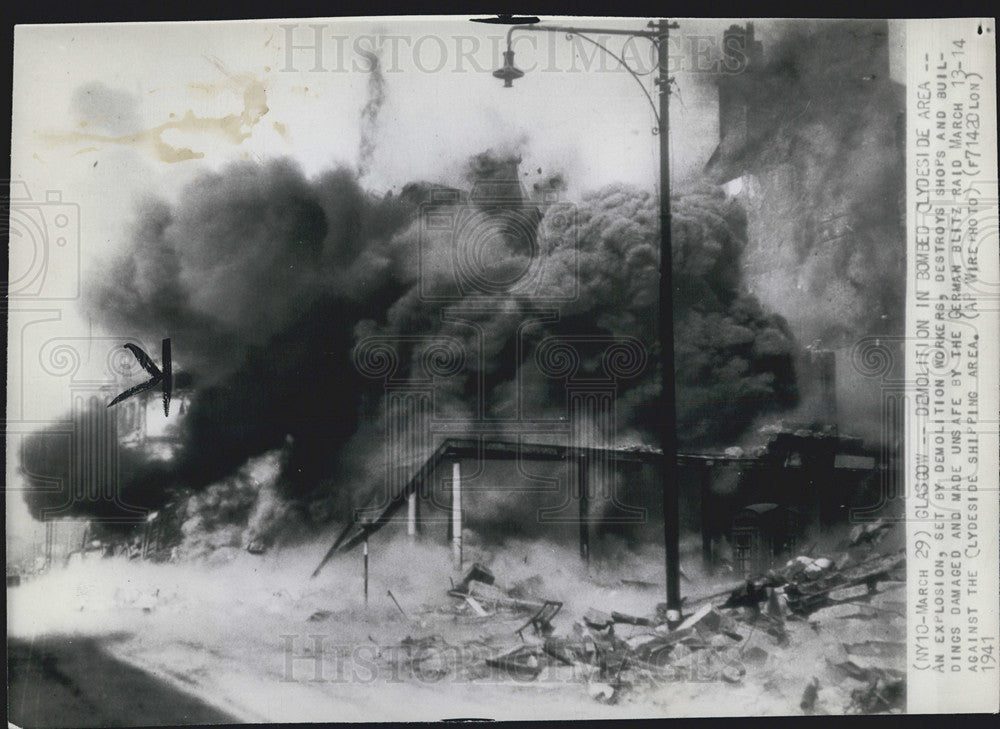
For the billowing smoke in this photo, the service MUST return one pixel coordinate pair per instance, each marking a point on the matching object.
(266, 280)
(242, 510)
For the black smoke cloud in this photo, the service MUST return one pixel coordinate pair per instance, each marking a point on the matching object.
(265, 280)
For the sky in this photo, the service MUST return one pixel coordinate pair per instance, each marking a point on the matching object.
(106, 116)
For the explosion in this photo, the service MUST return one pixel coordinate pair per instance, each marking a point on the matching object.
(266, 280)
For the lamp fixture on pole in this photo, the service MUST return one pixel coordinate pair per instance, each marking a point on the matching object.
(658, 34)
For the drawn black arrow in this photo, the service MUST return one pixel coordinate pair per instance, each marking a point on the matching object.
(165, 377)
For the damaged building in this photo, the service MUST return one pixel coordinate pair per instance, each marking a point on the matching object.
(812, 146)
(747, 508)
(824, 207)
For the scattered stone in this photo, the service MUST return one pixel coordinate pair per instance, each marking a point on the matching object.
(522, 662)
(884, 586)
(733, 673)
(319, 616)
(563, 650)
(808, 701)
(638, 641)
(885, 692)
(597, 620)
(852, 670)
(256, 546)
(834, 612)
(844, 594)
(630, 619)
(796, 566)
(894, 601)
(613, 650)
(682, 651)
(695, 642)
(602, 692)
(492, 595)
(877, 654)
(674, 636)
(865, 612)
(657, 653)
(705, 619)
(879, 648)
(817, 568)
(720, 640)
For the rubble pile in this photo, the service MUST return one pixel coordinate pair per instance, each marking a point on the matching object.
(850, 604)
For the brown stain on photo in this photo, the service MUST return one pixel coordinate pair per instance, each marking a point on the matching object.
(235, 127)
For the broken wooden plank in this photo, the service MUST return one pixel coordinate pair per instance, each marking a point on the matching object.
(630, 619)
(476, 607)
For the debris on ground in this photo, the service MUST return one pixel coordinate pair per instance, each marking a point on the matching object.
(724, 636)
(598, 620)
(618, 617)
(476, 607)
(526, 661)
(541, 621)
(477, 573)
(846, 594)
(809, 696)
(884, 689)
(868, 532)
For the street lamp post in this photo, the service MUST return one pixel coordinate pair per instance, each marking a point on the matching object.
(658, 35)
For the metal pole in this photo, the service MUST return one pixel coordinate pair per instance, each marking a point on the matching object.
(668, 413)
(707, 522)
(366, 568)
(456, 515)
(411, 515)
(582, 480)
